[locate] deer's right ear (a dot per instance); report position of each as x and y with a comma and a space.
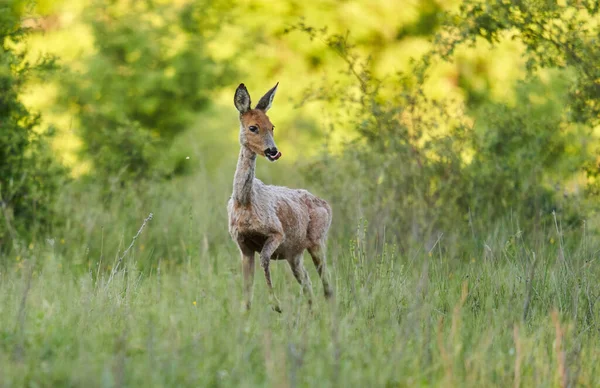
242, 99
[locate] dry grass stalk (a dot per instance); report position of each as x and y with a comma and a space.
444, 352
558, 349
118, 262
529, 287
518, 356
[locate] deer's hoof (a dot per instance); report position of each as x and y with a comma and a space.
277, 308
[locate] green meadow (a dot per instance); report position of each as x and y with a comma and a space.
457, 143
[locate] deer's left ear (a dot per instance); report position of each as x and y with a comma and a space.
267, 100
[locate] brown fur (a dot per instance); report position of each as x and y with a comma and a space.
278, 222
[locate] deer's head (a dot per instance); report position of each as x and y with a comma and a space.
256, 130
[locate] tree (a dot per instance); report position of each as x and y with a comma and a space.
423, 165
148, 77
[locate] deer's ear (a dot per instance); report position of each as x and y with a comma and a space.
267, 100
242, 99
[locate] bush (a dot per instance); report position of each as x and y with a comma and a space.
557, 36
421, 167
29, 175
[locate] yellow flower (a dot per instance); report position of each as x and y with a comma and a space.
31, 246
194, 303
551, 240
62, 240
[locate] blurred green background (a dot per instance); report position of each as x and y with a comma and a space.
436, 114
465, 131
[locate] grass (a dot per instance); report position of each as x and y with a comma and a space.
514, 310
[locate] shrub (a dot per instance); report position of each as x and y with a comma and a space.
421, 167
29, 175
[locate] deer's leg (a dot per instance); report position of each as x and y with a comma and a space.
301, 276
269, 248
248, 271
317, 253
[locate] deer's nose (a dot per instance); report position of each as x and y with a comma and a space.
271, 151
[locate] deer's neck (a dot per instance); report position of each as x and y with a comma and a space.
244, 176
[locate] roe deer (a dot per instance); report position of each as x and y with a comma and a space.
278, 222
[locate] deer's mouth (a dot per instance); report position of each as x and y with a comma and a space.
273, 158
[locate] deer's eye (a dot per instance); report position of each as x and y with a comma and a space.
253, 128
273, 129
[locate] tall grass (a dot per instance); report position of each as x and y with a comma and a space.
519, 310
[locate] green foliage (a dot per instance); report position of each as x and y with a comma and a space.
429, 20
29, 175
563, 36
521, 151
421, 165
555, 35
148, 78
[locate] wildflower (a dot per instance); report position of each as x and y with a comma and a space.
194, 303
551, 240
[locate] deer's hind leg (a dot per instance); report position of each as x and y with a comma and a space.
317, 252
271, 245
301, 275
317, 234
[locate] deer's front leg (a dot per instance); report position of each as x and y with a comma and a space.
269, 248
248, 271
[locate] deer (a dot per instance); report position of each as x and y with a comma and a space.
279, 223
